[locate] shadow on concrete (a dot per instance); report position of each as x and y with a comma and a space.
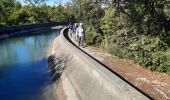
57, 64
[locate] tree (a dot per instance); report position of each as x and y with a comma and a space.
7, 7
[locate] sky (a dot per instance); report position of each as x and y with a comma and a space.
52, 2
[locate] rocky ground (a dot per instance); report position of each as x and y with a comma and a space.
156, 85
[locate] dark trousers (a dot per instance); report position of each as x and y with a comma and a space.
80, 40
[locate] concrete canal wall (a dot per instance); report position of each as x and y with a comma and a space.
83, 78
6, 32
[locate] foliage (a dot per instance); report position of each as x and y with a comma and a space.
140, 32
167, 64
13, 13
92, 37
6, 8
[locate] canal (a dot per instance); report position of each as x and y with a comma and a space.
24, 73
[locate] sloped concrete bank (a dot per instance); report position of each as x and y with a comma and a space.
83, 78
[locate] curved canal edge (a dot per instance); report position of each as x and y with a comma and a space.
84, 78
17, 30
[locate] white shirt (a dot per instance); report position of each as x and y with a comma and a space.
80, 31
77, 31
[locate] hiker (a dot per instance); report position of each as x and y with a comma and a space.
77, 34
80, 35
74, 28
69, 29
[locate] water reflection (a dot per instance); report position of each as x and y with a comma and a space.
24, 49
23, 66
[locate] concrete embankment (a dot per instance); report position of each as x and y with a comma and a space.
10, 31
83, 78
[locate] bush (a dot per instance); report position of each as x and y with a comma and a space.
97, 39
167, 63
91, 36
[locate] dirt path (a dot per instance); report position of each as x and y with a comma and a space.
156, 85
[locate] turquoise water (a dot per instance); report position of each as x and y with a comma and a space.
23, 66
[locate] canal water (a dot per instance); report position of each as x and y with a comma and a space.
24, 71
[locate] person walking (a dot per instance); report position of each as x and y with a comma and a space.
70, 29
80, 35
77, 34
74, 28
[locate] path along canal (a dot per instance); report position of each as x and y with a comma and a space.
24, 71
